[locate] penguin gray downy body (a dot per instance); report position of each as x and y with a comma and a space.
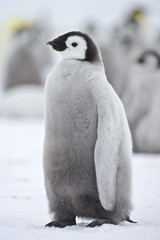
141, 101
87, 144
24, 63
21, 68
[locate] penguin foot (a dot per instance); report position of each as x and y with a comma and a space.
129, 220
101, 222
61, 224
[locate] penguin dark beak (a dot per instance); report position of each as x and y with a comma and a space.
53, 44
49, 43
58, 46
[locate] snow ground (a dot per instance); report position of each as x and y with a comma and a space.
23, 201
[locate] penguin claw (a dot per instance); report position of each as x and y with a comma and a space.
100, 222
94, 223
60, 224
129, 220
52, 224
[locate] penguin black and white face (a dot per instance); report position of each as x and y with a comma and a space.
75, 45
149, 60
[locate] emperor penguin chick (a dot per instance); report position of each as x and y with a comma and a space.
87, 145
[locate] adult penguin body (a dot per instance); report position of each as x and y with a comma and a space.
87, 146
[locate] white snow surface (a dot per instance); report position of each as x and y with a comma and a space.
23, 203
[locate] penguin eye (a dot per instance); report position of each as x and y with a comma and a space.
74, 44
141, 60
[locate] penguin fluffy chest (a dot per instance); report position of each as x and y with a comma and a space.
71, 132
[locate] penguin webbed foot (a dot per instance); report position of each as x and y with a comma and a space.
100, 222
61, 224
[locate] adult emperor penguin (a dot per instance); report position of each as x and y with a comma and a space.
87, 145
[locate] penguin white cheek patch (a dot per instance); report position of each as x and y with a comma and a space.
75, 51
68, 54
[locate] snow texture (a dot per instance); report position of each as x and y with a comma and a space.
24, 210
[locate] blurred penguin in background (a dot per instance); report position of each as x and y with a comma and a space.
116, 58
26, 63
125, 42
97, 31
141, 26
141, 102
27, 57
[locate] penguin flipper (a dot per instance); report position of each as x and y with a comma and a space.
105, 154
106, 167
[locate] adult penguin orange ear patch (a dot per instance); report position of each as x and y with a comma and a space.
87, 146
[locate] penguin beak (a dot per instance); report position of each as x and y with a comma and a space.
53, 44
57, 46
49, 43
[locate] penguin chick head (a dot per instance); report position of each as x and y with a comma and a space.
149, 59
76, 45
